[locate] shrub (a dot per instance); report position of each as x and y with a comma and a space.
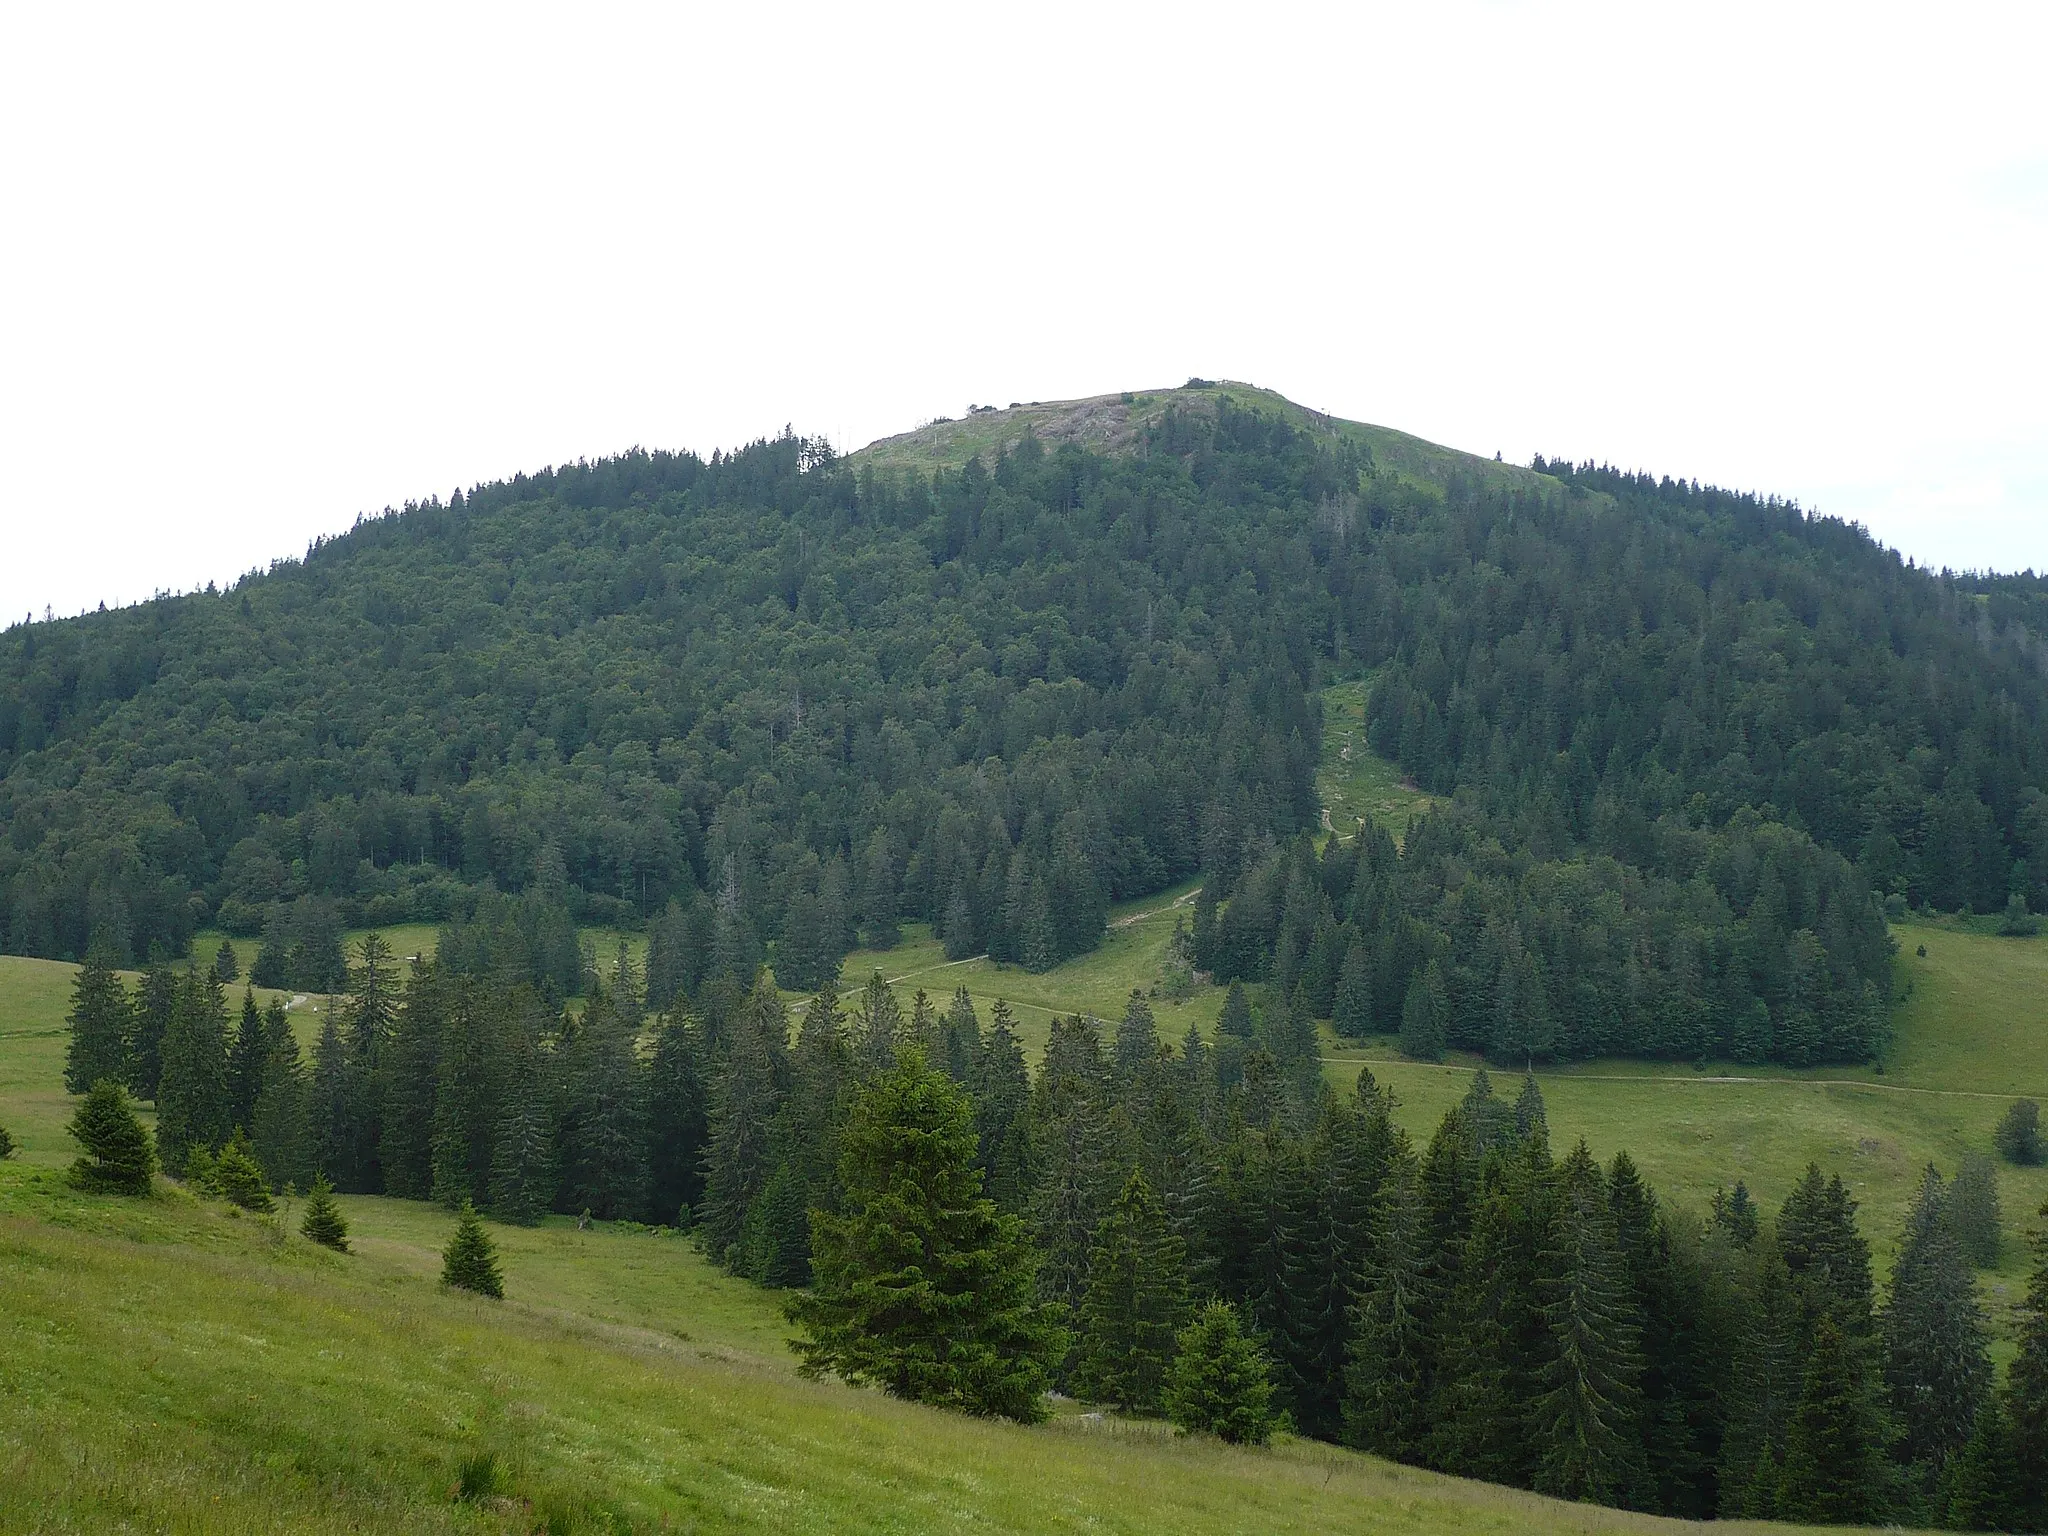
1221, 1382
119, 1159
2018, 1137
2018, 922
470, 1261
6, 1144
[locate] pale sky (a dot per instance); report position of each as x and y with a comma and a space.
262, 269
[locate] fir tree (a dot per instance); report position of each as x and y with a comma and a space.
604, 1126
877, 1022
1137, 1043
806, 956
405, 1151
118, 1158
1736, 1214
523, 1171
1002, 1093
1827, 1256
1351, 1007
963, 1039
470, 1261
747, 1093
1833, 1470
279, 1120
154, 1005
1221, 1382
1584, 1420
1936, 1366
921, 1286
2018, 1136
1973, 1209
675, 1123
881, 924
1425, 1015
237, 1179
803, 1144
323, 1222
226, 966
1386, 1379
1763, 1390
245, 1063
101, 1020
1530, 1119
1235, 1020
1134, 1305
956, 927
1984, 1490
371, 1013
330, 1138
469, 1106
192, 1095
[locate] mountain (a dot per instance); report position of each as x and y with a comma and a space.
999, 672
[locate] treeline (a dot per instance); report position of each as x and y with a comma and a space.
1477, 1304
1744, 941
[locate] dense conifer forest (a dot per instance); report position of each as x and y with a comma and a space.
772, 704
1204, 1231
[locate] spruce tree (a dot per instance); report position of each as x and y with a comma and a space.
920, 1285
192, 1095
371, 1014
1351, 1006
746, 1094
2026, 1391
470, 1261
1235, 1020
323, 1222
2018, 1136
226, 966
877, 1023
1002, 1093
237, 1179
1221, 1382
405, 1151
604, 1124
804, 1148
330, 1138
245, 1063
1135, 1302
963, 1038
1827, 1256
101, 1020
1764, 1388
1984, 1490
1584, 1420
675, 1123
1736, 1214
118, 1158
1936, 1364
1425, 1015
1833, 1470
469, 1099
1386, 1378
278, 1126
1973, 1209
154, 1004
1137, 1043
523, 1170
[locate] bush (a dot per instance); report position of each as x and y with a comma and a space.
2018, 922
6, 1144
1221, 1382
119, 1158
323, 1221
2018, 1137
470, 1261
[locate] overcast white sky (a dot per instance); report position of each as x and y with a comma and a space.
262, 269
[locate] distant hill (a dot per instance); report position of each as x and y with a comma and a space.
1001, 671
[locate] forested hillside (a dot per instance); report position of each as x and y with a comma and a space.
776, 702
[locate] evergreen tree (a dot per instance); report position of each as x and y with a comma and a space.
523, 1165
877, 1022
279, 1119
1002, 1092
470, 1261
370, 1014
237, 1179
1137, 1043
1736, 1214
1584, 1421
1833, 1470
1425, 1015
323, 1222
747, 1092
956, 927
2018, 1136
1135, 1302
405, 1152
807, 954
1936, 1366
1827, 1256
118, 1158
1351, 1012
1984, 1490
1386, 1381
963, 1039
1973, 1209
675, 1124
2026, 1392
1221, 1382
6, 1144
1764, 1389
246, 1057
921, 1286
604, 1124
226, 966
101, 1020
154, 1005
881, 924
192, 1095
1235, 1020
329, 1117
469, 1104
1530, 1119
803, 1145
